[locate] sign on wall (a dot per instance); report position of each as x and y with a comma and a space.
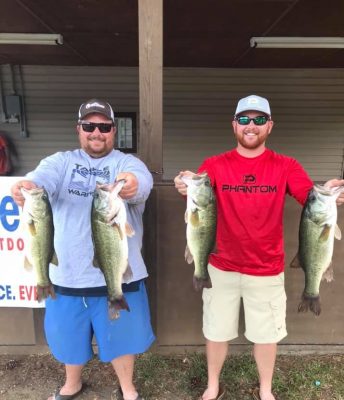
17, 284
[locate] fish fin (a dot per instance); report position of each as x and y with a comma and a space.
27, 264
129, 230
325, 233
95, 262
328, 274
200, 283
121, 234
32, 228
115, 305
43, 292
194, 219
54, 259
188, 256
128, 274
310, 303
295, 263
337, 232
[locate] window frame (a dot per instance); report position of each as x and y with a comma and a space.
132, 115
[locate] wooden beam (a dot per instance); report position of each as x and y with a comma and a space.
150, 75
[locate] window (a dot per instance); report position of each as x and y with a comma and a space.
126, 138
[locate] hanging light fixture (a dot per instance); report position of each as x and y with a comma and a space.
284, 42
31, 38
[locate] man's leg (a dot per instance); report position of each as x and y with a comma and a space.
124, 368
221, 306
73, 380
265, 356
216, 356
265, 318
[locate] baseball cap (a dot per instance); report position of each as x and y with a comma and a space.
253, 103
96, 106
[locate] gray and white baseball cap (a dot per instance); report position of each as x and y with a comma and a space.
96, 106
253, 103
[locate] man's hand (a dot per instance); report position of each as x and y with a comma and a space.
16, 192
179, 184
335, 183
131, 185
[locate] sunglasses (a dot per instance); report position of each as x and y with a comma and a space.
91, 126
260, 120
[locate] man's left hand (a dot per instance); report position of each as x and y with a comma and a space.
131, 185
334, 183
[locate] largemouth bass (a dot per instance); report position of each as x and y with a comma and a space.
200, 218
317, 230
38, 218
110, 231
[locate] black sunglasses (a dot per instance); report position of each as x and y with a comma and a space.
91, 126
244, 120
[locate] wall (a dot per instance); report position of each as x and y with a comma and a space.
179, 307
52, 98
307, 107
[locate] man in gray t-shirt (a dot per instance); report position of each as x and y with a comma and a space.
80, 309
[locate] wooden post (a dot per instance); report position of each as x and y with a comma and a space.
150, 75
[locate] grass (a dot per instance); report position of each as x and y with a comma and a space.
177, 377
316, 377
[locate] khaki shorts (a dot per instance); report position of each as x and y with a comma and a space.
264, 301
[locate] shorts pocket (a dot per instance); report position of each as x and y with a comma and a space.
278, 309
207, 299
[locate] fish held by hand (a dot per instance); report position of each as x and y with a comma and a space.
200, 217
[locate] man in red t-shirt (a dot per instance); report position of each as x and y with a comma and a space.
250, 183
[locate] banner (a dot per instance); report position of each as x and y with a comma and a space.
17, 284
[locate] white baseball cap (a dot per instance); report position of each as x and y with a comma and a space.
253, 103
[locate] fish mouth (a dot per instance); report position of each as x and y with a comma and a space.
200, 176
32, 191
328, 191
196, 179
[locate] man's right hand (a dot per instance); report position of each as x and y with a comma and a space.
179, 184
16, 192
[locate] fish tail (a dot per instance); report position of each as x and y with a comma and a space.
117, 304
310, 303
43, 292
113, 313
200, 283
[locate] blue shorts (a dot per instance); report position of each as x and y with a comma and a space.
72, 321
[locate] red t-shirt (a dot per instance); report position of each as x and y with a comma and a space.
250, 195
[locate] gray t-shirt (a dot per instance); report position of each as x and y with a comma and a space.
70, 178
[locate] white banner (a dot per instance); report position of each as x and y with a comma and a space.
17, 285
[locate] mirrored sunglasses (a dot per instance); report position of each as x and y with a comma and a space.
244, 120
91, 126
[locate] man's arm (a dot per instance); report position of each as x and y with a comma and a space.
139, 180
131, 185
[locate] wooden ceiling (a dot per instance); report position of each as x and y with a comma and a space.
197, 33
